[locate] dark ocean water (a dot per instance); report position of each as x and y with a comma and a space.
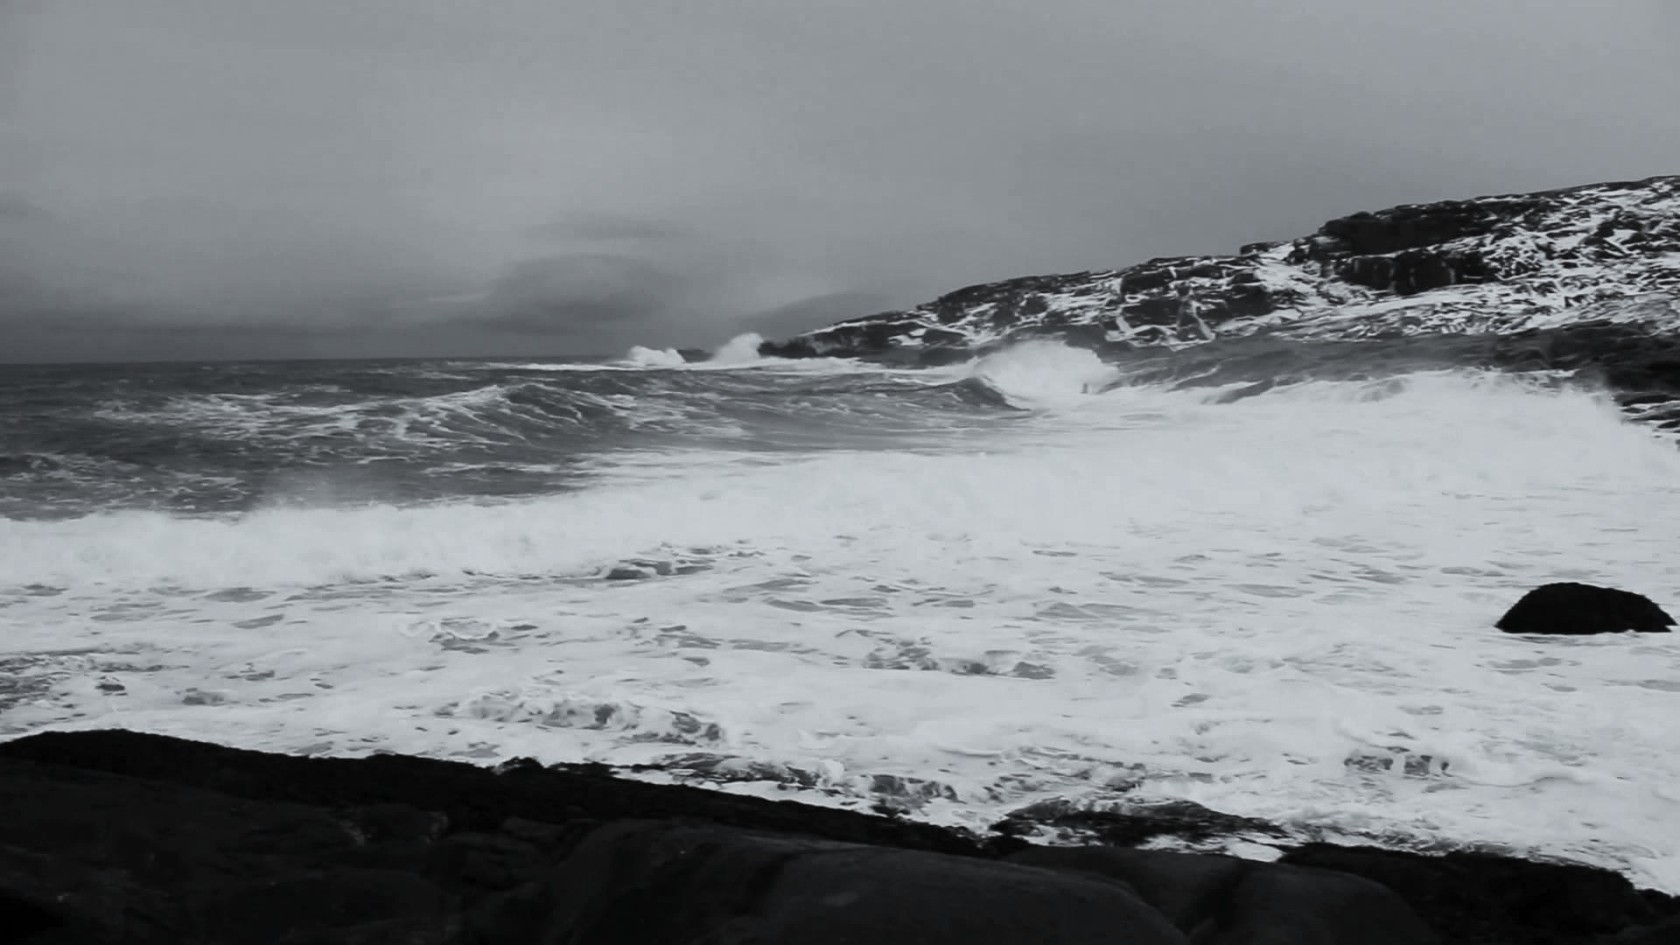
217, 438
229, 437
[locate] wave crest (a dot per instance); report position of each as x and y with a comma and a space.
741, 349
1038, 374
643, 357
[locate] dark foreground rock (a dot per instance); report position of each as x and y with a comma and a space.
1224, 899
1580, 609
1486, 898
113, 836
658, 882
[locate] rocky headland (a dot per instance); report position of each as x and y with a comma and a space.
1584, 279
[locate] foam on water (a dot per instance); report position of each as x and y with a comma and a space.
1039, 374
741, 349
1278, 606
639, 356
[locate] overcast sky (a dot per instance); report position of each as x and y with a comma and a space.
233, 178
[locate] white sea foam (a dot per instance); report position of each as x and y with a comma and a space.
404, 418
741, 349
1279, 606
1043, 373
639, 356
556, 367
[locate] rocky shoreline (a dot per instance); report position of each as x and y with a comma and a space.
116, 836
1584, 279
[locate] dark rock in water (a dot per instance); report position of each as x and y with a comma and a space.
1579, 609
1132, 824
942, 356
114, 837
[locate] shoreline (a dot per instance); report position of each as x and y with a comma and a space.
433, 828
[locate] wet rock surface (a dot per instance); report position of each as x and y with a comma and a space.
657, 882
1484, 898
1229, 900
112, 836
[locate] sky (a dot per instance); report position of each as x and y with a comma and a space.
188, 179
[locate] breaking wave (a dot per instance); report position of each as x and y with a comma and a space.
1194, 453
741, 349
639, 356
1040, 374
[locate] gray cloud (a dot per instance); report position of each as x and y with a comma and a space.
565, 295
814, 312
15, 209
606, 228
379, 176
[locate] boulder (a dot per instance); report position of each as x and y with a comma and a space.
1580, 609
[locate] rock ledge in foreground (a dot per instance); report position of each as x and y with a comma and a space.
114, 836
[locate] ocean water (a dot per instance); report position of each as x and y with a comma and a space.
957, 591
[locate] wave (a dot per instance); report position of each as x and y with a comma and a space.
414, 433
1141, 461
1039, 374
639, 356
978, 393
739, 350
489, 414
17, 464
1279, 361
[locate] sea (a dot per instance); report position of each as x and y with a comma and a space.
1258, 576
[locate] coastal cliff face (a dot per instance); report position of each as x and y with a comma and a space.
1599, 255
